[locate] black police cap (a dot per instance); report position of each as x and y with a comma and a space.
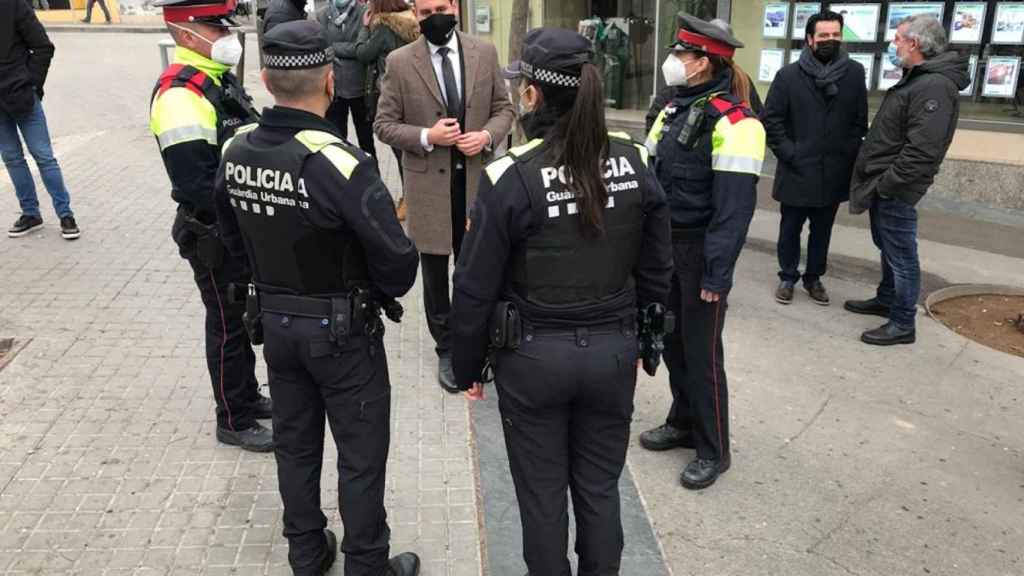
296, 45
553, 56
697, 35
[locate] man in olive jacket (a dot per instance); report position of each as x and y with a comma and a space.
815, 117
898, 162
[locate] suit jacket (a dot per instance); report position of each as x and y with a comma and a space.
410, 101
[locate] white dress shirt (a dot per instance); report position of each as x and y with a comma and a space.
435, 59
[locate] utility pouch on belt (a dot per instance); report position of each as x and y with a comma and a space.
341, 318
506, 327
252, 318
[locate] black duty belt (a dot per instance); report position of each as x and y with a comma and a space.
626, 326
295, 305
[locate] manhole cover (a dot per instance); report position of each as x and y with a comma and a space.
989, 315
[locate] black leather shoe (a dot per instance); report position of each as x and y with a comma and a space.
255, 439
700, 474
405, 564
332, 552
870, 307
264, 407
446, 374
665, 437
889, 334
817, 292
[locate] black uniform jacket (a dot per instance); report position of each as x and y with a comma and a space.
360, 205
502, 218
911, 133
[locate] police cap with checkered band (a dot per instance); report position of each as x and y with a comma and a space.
553, 56
696, 35
296, 45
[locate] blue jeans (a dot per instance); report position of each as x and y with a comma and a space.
37, 137
894, 230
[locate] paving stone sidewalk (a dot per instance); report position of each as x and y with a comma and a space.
108, 462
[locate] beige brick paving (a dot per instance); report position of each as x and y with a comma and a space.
108, 464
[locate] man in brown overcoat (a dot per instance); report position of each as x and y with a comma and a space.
444, 104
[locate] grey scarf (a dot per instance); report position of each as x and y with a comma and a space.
826, 76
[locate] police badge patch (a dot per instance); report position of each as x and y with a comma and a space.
931, 105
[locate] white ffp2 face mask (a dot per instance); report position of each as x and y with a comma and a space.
674, 71
226, 50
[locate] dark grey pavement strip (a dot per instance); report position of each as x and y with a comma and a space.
503, 532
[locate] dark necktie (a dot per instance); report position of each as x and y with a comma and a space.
451, 89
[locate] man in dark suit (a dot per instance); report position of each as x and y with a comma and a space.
444, 103
815, 117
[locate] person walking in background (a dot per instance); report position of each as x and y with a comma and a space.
815, 118
88, 10
898, 161
25, 56
341, 22
390, 24
444, 103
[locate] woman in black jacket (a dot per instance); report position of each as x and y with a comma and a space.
390, 24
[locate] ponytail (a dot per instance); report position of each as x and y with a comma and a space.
580, 143
741, 87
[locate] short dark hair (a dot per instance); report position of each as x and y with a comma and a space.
823, 16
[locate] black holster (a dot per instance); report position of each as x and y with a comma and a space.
209, 247
506, 327
252, 318
654, 323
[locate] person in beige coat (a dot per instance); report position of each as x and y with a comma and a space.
445, 105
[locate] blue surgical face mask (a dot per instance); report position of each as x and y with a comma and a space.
894, 56
342, 4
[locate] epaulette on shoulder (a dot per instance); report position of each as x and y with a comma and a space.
496, 169
627, 140
332, 147
732, 108
240, 130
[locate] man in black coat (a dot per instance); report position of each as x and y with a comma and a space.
815, 117
25, 55
908, 141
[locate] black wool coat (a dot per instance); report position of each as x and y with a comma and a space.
815, 138
25, 54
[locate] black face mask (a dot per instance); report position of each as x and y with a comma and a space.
826, 50
438, 28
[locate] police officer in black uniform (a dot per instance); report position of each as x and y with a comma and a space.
708, 147
568, 240
327, 252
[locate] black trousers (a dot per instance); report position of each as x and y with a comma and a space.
793, 218
313, 380
566, 402
230, 359
436, 295
337, 114
694, 357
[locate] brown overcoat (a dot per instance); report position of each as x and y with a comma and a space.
410, 101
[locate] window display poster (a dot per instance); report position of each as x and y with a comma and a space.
1009, 24
889, 74
972, 69
1001, 76
968, 22
861, 21
868, 62
776, 14
900, 12
771, 63
801, 13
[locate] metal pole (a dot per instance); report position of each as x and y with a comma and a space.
241, 61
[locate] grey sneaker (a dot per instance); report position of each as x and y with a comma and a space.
784, 293
69, 228
23, 225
